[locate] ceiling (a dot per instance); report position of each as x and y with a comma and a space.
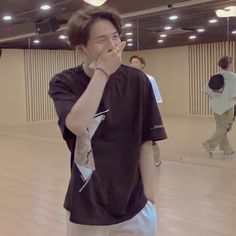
148, 18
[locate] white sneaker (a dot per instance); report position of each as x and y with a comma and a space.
157, 163
229, 152
207, 150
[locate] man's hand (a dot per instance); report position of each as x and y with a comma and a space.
110, 60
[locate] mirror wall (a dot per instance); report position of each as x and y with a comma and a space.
181, 57
184, 59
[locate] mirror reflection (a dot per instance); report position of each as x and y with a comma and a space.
181, 43
183, 53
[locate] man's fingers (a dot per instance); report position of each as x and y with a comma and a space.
118, 49
121, 46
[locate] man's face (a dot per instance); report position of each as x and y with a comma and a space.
136, 63
103, 36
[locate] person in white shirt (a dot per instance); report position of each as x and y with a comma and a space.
139, 63
221, 90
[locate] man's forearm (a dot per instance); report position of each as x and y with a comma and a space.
85, 108
147, 169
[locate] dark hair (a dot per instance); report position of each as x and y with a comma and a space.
141, 59
224, 62
80, 23
216, 82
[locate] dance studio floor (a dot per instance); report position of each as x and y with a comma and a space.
195, 195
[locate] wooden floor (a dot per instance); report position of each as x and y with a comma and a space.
195, 195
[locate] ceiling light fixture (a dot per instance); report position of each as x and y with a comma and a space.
45, 7
168, 28
173, 17
7, 18
96, 3
160, 41
226, 12
234, 32
200, 30
36, 41
163, 35
213, 21
62, 36
129, 40
192, 37
130, 44
127, 25
129, 33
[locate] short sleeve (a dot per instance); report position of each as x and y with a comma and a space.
156, 90
233, 86
63, 98
208, 91
153, 129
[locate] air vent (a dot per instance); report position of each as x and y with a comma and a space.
176, 31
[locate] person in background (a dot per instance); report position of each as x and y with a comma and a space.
139, 63
221, 90
109, 121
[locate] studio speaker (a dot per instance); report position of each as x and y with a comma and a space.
47, 25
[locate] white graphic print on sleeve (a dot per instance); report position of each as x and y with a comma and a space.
84, 158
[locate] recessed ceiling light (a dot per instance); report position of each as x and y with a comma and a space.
7, 18
45, 7
36, 41
96, 3
62, 36
173, 17
234, 32
130, 44
200, 30
160, 41
163, 35
213, 21
129, 33
129, 40
127, 25
168, 28
192, 37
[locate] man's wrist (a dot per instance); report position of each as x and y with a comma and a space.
103, 71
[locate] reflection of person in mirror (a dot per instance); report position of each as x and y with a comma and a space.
139, 63
108, 118
221, 89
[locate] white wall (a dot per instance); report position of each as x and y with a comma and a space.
12, 87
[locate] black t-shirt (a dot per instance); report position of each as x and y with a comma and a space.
105, 186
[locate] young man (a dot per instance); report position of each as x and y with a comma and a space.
221, 90
139, 63
108, 117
